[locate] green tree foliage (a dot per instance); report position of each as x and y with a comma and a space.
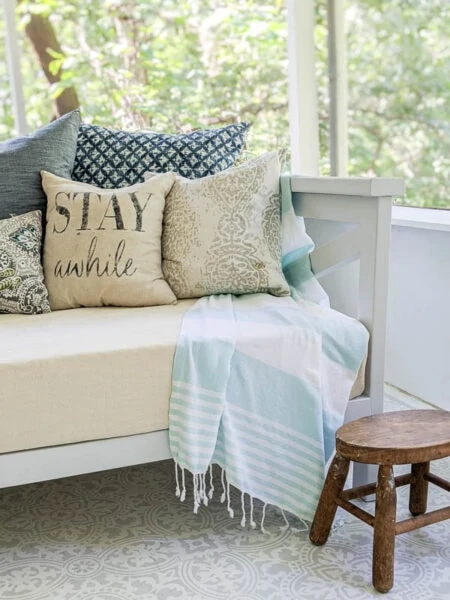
178, 65
399, 94
6, 115
175, 65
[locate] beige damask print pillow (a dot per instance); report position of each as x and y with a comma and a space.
222, 233
103, 247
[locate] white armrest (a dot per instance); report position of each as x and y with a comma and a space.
365, 203
349, 186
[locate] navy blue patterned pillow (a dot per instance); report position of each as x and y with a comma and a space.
110, 159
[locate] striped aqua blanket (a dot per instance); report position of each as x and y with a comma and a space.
260, 385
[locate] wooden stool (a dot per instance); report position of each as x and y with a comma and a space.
405, 437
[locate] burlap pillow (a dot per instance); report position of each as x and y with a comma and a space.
222, 233
103, 247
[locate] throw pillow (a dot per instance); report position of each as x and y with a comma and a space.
111, 159
222, 233
22, 288
103, 247
21, 160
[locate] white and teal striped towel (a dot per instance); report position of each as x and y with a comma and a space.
260, 384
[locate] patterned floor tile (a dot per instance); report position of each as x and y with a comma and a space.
123, 535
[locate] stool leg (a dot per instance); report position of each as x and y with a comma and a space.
419, 489
326, 508
384, 530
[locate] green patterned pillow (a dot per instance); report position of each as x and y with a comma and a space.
222, 233
22, 288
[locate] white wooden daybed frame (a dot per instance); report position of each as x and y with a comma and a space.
363, 202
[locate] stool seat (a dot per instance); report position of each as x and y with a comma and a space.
413, 437
396, 438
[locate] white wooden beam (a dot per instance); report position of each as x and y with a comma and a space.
52, 462
337, 72
14, 67
349, 186
373, 295
342, 249
303, 113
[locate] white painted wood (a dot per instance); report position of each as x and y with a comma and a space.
337, 73
357, 408
373, 295
14, 67
372, 215
349, 186
341, 250
343, 209
421, 218
369, 240
303, 111
54, 462
418, 339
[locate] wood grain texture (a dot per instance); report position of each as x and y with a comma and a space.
355, 510
434, 516
327, 506
418, 492
384, 530
402, 437
416, 437
442, 483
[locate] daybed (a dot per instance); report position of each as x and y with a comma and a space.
87, 389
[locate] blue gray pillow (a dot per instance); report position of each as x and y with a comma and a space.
109, 158
51, 148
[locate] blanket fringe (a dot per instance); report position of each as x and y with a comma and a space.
211, 484
177, 489
183, 491
196, 493
202, 496
180, 492
286, 522
230, 510
263, 517
243, 509
252, 522
222, 479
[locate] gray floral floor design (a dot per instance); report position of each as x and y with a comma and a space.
123, 535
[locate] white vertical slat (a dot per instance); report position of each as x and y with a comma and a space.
337, 70
373, 295
303, 114
14, 67
372, 311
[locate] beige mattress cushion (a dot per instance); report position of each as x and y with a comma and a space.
86, 374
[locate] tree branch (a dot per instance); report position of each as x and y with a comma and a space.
42, 36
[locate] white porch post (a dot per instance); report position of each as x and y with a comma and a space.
14, 68
304, 122
337, 70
